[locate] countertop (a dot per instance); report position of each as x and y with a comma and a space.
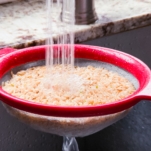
23, 23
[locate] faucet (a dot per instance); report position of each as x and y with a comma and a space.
84, 12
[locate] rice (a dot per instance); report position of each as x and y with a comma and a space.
68, 86
63, 85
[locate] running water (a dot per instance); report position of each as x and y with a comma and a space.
63, 56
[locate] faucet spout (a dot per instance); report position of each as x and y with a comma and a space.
84, 12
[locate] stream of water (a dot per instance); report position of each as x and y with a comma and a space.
63, 55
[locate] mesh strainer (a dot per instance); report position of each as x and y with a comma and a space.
121, 62
74, 121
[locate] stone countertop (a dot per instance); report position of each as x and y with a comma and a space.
23, 23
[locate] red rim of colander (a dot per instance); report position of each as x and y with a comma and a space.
123, 60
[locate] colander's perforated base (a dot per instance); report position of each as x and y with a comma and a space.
72, 127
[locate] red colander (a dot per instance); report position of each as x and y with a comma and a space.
137, 72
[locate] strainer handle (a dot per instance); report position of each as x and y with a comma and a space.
145, 93
6, 51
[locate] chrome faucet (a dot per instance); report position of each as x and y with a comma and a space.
84, 12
